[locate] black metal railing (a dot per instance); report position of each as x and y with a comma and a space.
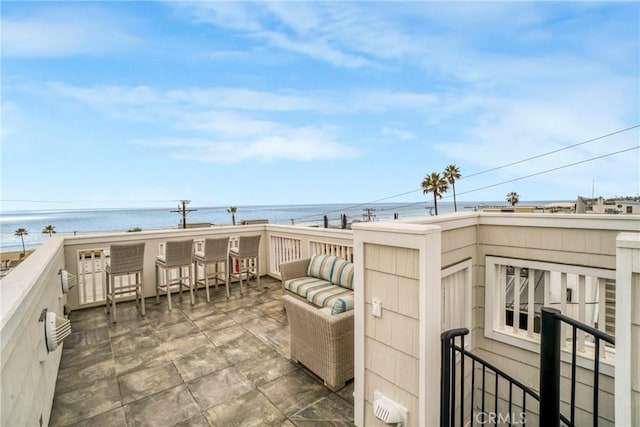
550, 366
453, 408
489, 411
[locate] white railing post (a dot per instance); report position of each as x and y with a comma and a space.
501, 271
517, 283
582, 308
563, 308
602, 304
531, 286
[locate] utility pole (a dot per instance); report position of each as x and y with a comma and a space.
184, 211
368, 215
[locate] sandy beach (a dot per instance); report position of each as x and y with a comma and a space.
13, 258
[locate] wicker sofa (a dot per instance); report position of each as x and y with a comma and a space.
318, 298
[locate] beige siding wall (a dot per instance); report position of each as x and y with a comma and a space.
627, 329
391, 341
391, 273
459, 244
577, 246
635, 348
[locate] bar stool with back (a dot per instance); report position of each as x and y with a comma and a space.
126, 260
178, 257
246, 258
216, 252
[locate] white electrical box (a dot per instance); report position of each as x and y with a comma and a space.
377, 308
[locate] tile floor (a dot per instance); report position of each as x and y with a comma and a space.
223, 363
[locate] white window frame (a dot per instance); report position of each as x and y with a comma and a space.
494, 322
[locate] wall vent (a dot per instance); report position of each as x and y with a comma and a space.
388, 411
56, 329
68, 281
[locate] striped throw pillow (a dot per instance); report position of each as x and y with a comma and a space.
342, 304
321, 266
342, 273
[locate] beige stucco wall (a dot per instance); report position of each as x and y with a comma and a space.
28, 372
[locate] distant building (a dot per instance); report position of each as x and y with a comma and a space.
610, 206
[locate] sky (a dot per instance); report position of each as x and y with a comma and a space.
140, 104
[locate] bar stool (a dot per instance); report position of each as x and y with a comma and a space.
216, 252
126, 260
178, 257
245, 258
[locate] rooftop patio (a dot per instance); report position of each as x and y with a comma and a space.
226, 362
219, 363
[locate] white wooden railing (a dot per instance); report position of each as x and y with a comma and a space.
583, 293
292, 244
330, 248
290, 248
91, 277
283, 249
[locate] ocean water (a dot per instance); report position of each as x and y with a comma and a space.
88, 221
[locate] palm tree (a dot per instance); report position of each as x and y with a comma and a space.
513, 198
50, 229
435, 184
22, 232
451, 173
232, 210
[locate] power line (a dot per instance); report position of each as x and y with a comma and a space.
551, 152
528, 176
476, 174
552, 169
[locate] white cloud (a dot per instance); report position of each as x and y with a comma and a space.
397, 133
300, 144
322, 32
64, 31
225, 124
341, 101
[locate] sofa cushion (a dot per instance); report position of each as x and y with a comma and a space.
342, 274
321, 266
302, 285
342, 304
324, 297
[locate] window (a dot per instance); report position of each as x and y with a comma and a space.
516, 290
